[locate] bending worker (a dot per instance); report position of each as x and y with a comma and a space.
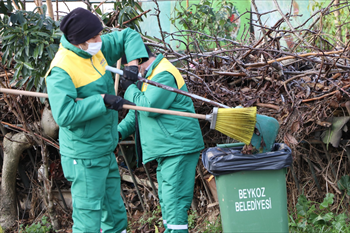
88, 128
174, 142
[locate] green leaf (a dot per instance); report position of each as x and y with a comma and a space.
326, 218
344, 184
5, 55
19, 52
50, 52
36, 53
13, 19
43, 34
41, 49
140, 9
44, 7
303, 205
9, 6
3, 8
18, 71
30, 84
54, 47
98, 10
327, 201
10, 36
34, 41
341, 218
27, 49
27, 65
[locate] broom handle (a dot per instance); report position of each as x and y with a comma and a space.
19, 92
139, 108
168, 112
165, 87
116, 82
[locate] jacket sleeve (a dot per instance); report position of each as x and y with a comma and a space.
62, 94
127, 126
153, 97
118, 43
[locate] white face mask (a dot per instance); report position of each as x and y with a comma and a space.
93, 48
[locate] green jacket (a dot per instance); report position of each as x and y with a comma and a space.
162, 135
87, 128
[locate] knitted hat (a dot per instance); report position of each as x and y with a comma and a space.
80, 25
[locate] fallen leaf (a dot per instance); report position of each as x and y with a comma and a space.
295, 126
289, 139
306, 78
334, 134
245, 90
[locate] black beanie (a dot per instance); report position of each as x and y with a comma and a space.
80, 25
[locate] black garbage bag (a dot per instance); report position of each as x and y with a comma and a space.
219, 161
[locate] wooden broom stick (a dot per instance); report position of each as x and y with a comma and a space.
116, 81
139, 108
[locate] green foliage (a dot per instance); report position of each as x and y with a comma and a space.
344, 184
31, 40
192, 219
153, 219
213, 227
7, 8
317, 217
206, 17
42, 226
329, 30
124, 11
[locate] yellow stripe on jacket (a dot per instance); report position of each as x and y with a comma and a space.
165, 65
81, 70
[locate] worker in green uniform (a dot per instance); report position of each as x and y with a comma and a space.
174, 142
88, 127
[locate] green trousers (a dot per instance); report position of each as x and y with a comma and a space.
96, 194
176, 175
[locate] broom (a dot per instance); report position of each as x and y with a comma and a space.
225, 116
237, 123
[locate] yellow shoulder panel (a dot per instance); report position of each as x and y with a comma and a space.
81, 70
165, 65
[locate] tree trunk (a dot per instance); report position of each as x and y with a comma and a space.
14, 145
49, 9
48, 190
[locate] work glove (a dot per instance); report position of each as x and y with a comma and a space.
125, 83
115, 102
131, 73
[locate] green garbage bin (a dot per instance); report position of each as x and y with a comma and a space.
251, 189
253, 201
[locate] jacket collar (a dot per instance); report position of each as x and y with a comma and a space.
67, 45
154, 64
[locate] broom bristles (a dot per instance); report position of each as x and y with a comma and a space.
237, 123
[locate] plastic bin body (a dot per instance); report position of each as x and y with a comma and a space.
253, 201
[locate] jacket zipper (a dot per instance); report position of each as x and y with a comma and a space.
112, 133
